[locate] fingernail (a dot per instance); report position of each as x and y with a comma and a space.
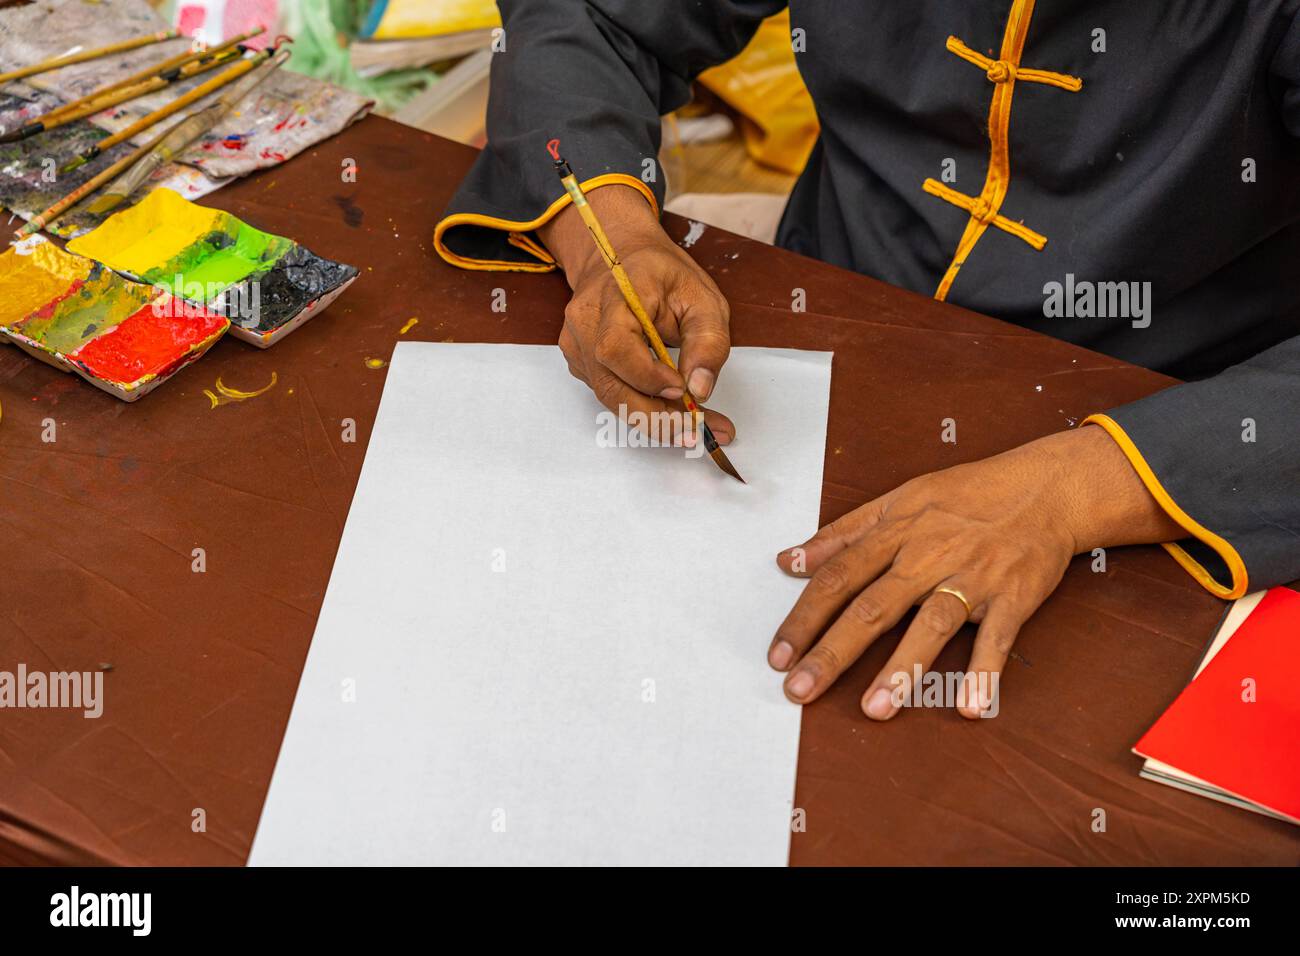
880, 706
688, 439
800, 685
672, 393
701, 383
780, 655
723, 437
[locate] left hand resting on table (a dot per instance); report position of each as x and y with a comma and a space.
1000, 531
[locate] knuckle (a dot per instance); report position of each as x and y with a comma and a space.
606, 391
827, 658
938, 619
580, 311
711, 339
831, 579
866, 611
1003, 641
608, 344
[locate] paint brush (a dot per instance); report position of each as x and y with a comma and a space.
131, 171
39, 222
149, 81
190, 55
178, 138
81, 56
624, 282
89, 107
225, 78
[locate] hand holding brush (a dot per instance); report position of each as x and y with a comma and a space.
616, 346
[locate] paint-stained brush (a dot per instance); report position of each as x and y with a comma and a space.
574, 189
179, 137
131, 171
77, 55
224, 78
154, 78
225, 49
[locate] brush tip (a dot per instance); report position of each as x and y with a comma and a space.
723, 462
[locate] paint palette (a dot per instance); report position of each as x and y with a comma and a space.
124, 337
264, 284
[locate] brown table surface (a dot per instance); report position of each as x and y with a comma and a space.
98, 528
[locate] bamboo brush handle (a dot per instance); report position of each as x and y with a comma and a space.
193, 96
219, 52
625, 286
58, 62
90, 108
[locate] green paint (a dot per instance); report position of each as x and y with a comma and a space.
230, 253
102, 302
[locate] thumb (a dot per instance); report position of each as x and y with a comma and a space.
704, 321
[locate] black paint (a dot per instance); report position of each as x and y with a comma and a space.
298, 279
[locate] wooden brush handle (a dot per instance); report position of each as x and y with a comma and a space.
625, 286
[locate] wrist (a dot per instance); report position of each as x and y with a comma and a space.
628, 220
1103, 500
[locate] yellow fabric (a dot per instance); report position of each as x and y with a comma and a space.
405, 19
517, 230
1237, 567
763, 85
1003, 74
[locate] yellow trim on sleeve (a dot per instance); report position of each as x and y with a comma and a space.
521, 240
1240, 579
517, 230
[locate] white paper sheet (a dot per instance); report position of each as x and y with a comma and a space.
556, 650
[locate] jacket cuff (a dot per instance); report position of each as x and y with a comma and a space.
1219, 549
473, 240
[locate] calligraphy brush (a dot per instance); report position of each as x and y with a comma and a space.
621, 277
81, 56
218, 52
171, 109
133, 169
155, 78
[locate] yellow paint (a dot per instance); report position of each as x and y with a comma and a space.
410, 323
240, 396
228, 394
157, 230
33, 276
375, 363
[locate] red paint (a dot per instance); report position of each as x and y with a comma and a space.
148, 343
272, 154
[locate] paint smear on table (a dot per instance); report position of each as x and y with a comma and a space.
266, 285
122, 336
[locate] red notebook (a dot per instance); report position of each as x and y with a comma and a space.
1234, 733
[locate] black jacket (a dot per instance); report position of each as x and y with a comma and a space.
1124, 175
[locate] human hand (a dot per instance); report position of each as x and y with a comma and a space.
602, 340
999, 531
